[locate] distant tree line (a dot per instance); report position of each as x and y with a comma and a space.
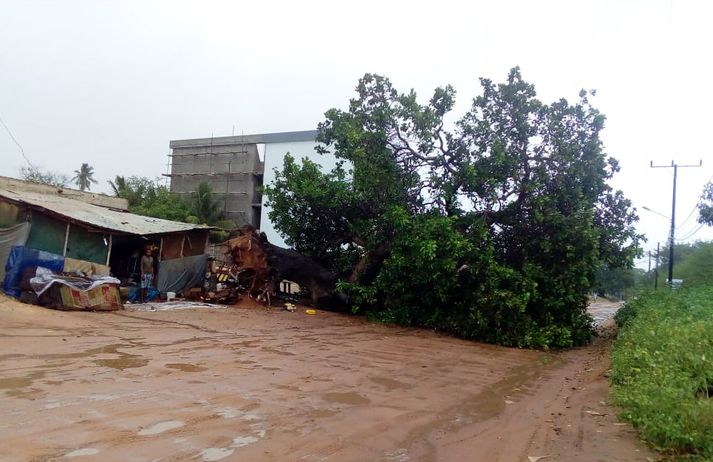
145, 196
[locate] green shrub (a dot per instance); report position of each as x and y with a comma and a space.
626, 313
662, 370
439, 278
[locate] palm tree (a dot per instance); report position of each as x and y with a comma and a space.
118, 186
204, 207
84, 177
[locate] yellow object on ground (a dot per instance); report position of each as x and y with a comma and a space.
310, 311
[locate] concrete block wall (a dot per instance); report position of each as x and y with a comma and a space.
232, 166
233, 171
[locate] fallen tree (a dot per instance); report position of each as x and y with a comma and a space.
262, 266
492, 230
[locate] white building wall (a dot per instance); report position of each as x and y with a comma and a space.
274, 158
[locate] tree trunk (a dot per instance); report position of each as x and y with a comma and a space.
262, 266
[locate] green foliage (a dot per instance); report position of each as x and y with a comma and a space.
84, 177
617, 282
662, 369
150, 198
705, 206
204, 207
692, 262
39, 175
319, 213
492, 231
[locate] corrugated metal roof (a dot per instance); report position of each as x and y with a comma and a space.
98, 217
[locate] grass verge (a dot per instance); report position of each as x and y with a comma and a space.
662, 370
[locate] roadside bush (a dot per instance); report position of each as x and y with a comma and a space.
662, 370
626, 313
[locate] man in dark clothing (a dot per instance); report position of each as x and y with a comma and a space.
147, 273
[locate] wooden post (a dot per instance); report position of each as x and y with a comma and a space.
183, 242
160, 250
108, 253
66, 241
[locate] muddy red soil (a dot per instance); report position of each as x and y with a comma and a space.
243, 383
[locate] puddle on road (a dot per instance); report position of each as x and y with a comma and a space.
161, 427
349, 397
390, 384
186, 367
277, 352
125, 362
15, 386
213, 454
82, 452
241, 441
20, 382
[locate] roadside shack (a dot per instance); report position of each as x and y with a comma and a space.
94, 234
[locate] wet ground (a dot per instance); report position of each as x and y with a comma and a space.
255, 385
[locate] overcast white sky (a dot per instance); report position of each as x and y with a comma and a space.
110, 83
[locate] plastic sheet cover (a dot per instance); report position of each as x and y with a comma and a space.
44, 278
22, 258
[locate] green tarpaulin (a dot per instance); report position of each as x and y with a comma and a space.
47, 234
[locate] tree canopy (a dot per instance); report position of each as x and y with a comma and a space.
39, 175
705, 206
493, 229
84, 177
151, 198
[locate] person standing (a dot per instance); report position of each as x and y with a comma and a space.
147, 273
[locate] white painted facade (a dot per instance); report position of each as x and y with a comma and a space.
274, 155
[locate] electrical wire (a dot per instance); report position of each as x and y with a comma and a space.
695, 207
22, 151
691, 234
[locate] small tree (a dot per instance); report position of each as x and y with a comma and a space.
118, 186
150, 198
84, 177
39, 175
705, 206
204, 207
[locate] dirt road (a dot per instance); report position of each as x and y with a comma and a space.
246, 384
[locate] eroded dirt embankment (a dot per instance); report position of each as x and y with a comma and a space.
248, 384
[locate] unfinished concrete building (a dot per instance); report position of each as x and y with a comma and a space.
232, 165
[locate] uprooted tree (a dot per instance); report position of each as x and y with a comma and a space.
493, 230
262, 266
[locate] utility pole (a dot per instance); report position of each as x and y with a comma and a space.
675, 167
656, 268
649, 262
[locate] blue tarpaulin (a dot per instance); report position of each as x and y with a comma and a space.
181, 274
152, 293
22, 258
